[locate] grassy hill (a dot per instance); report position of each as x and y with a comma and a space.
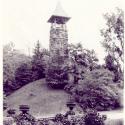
43, 101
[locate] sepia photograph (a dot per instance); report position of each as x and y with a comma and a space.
63, 62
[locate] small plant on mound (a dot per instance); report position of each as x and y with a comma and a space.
94, 118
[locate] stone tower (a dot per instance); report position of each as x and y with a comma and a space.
57, 75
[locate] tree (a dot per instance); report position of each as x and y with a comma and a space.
12, 59
97, 90
81, 56
81, 60
113, 42
23, 74
8, 63
38, 62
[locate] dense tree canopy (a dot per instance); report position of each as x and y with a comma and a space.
23, 74
12, 59
20, 69
96, 90
80, 61
81, 56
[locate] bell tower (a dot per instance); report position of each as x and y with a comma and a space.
58, 61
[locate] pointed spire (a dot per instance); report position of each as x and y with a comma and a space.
59, 11
59, 15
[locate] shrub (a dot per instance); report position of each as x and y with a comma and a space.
94, 118
73, 120
23, 74
101, 97
96, 90
56, 77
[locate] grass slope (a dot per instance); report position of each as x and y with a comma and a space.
46, 102
43, 101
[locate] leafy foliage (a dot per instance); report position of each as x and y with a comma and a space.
96, 90
33, 70
23, 74
91, 117
38, 63
94, 118
25, 119
110, 64
113, 42
12, 59
19, 69
59, 77
81, 61
80, 56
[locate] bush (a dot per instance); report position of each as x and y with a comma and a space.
56, 77
73, 120
101, 97
94, 118
23, 74
96, 90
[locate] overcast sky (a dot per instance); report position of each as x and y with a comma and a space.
25, 22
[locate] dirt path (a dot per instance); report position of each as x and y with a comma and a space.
116, 114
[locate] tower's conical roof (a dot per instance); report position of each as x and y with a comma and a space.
59, 15
59, 11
